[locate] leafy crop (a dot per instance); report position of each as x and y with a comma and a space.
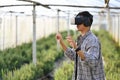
16, 63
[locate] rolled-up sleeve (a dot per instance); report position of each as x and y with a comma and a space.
92, 53
70, 53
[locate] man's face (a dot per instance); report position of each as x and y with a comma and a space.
81, 27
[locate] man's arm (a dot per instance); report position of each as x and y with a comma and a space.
93, 53
60, 39
63, 45
70, 52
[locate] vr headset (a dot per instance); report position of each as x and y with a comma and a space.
81, 20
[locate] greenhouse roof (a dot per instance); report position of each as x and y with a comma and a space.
46, 6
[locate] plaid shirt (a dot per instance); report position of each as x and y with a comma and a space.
92, 67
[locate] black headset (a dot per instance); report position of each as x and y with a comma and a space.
83, 20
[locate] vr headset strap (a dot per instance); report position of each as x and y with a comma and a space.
76, 66
76, 62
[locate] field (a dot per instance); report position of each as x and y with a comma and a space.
16, 63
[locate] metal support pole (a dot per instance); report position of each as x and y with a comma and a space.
100, 20
68, 24
34, 35
58, 45
113, 24
0, 31
114, 27
58, 20
44, 27
4, 33
11, 21
108, 20
16, 30
34, 26
118, 29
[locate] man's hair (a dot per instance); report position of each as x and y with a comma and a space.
84, 18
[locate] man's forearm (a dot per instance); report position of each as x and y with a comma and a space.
63, 45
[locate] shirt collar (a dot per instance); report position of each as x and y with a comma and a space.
83, 37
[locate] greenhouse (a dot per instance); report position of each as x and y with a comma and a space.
29, 49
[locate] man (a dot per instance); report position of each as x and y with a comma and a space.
86, 53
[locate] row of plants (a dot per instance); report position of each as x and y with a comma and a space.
111, 54
16, 63
64, 72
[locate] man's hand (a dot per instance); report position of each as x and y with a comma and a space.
81, 54
71, 42
58, 36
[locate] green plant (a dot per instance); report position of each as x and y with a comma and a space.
64, 72
18, 60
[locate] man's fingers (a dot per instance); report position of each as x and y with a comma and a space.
68, 37
69, 40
